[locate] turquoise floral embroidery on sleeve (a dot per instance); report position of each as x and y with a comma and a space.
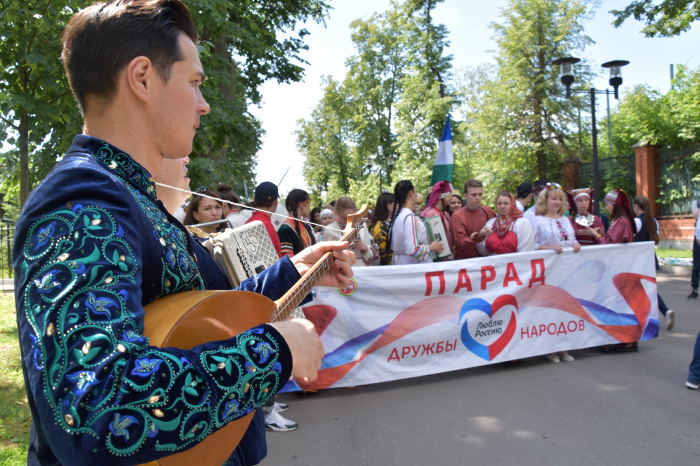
80, 279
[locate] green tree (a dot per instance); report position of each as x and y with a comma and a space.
427, 98
244, 44
645, 115
519, 120
374, 85
325, 142
391, 105
666, 18
39, 116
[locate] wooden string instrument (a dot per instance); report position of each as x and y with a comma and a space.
191, 318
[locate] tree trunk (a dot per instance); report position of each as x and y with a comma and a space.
23, 158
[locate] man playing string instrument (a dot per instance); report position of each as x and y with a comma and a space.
93, 246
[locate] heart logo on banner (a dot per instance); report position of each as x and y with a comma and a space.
489, 353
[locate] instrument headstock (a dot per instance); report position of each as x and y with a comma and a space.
356, 220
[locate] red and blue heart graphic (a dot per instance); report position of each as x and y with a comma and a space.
489, 353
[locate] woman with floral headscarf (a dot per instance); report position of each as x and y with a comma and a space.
510, 232
438, 205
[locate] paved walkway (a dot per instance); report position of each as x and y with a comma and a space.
602, 409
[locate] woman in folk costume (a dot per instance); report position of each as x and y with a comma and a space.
582, 216
510, 231
408, 237
622, 229
294, 234
553, 230
439, 205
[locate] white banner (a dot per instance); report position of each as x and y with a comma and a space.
411, 320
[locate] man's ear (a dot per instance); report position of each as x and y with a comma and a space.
140, 74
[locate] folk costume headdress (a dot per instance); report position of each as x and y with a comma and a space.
441, 190
577, 194
619, 198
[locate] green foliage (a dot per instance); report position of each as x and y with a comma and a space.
519, 124
244, 44
39, 116
666, 18
15, 417
391, 105
646, 116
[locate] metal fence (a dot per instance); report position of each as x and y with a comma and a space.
615, 172
677, 168
7, 233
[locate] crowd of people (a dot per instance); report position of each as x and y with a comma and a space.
453, 227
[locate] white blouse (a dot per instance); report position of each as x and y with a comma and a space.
553, 232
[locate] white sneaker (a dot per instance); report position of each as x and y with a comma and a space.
692, 386
552, 357
670, 319
564, 356
281, 407
278, 423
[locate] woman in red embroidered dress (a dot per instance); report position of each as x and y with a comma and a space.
510, 232
622, 230
582, 216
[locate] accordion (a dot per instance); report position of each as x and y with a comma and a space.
244, 252
436, 231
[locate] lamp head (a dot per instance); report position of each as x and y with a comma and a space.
615, 75
567, 71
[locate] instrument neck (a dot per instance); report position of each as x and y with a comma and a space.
291, 300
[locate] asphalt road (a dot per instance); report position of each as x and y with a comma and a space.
602, 409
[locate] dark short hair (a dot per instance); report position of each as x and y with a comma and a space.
100, 40
472, 184
524, 190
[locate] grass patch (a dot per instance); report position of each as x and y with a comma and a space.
679, 253
15, 417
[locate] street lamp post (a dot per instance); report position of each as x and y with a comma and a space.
567, 79
389, 169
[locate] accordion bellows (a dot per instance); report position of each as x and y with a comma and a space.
244, 252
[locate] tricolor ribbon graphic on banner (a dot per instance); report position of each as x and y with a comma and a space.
623, 327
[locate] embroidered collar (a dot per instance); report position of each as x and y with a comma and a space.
121, 164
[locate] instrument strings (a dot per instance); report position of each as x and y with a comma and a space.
244, 206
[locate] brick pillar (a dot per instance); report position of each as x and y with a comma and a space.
571, 173
646, 157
